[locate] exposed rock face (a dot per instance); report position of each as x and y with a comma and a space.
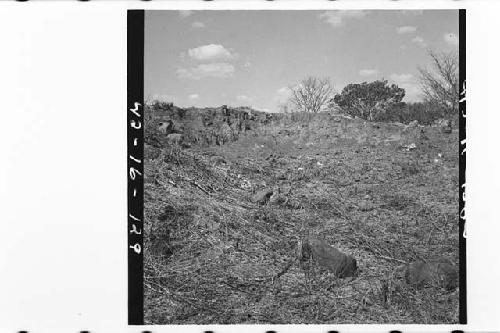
340, 264
262, 197
437, 273
207, 126
166, 127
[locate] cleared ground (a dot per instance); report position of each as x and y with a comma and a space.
214, 256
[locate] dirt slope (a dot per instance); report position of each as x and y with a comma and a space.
213, 255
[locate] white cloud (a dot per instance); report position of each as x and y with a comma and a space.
162, 97
198, 25
283, 91
282, 95
401, 78
451, 38
185, 13
211, 52
336, 17
412, 92
407, 82
244, 99
193, 97
258, 108
368, 72
406, 29
419, 41
216, 70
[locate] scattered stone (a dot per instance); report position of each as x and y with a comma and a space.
282, 176
365, 206
263, 196
318, 250
437, 273
446, 127
414, 123
175, 138
409, 147
166, 127
294, 204
277, 199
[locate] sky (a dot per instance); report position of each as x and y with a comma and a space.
210, 58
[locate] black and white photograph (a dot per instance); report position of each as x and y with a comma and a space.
302, 167
251, 166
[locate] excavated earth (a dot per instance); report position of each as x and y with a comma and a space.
226, 210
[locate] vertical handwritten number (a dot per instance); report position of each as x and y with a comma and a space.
462, 93
462, 152
136, 125
462, 216
136, 247
134, 218
133, 172
135, 109
134, 159
462, 98
134, 230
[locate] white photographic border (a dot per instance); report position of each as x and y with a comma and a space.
63, 164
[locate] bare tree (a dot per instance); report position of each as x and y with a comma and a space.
311, 94
440, 84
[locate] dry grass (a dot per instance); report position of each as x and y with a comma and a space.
214, 256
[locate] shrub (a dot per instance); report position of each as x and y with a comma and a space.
424, 112
368, 100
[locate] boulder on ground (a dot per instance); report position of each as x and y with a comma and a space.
446, 127
166, 127
277, 199
342, 265
413, 123
365, 206
262, 197
436, 273
174, 138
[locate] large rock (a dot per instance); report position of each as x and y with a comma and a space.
174, 138
166, 127
413, 123
277, 199
342, 265
365, 206
262, 197
436, 273
446, 127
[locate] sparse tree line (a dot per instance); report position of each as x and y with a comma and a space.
381, 101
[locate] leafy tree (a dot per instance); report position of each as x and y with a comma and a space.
311, 94
369, 100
